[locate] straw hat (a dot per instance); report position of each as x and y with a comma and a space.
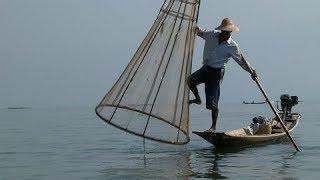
227, 25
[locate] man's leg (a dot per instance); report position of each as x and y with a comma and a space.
212, 88
214, 116
195, 79
213, 104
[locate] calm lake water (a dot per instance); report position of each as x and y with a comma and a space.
72, 143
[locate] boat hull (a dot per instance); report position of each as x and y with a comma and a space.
237, 138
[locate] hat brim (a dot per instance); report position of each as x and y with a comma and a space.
228, 28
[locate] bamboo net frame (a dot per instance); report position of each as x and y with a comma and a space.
150, 98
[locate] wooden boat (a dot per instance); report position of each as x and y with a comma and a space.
240, 138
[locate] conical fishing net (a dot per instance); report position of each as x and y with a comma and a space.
150, 99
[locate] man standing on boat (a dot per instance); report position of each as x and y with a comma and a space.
219, 48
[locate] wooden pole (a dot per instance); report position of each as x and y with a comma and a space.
271, 106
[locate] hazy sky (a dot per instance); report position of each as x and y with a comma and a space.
70, 52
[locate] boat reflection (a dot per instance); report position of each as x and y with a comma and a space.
209, 163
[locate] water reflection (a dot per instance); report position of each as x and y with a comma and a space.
247, 163
155, 164
286, 166
208, 163
212, 170
160, 161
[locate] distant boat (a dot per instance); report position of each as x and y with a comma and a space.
245, 102
19, 108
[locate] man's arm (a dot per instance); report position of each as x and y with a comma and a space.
202, 33
238, 57
252, 71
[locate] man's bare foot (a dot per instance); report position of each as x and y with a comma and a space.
210, 130
195, 101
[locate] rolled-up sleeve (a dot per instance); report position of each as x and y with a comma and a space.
238, 57
204, 34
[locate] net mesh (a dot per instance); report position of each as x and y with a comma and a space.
150, 99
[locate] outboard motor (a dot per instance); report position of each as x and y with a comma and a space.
287, 102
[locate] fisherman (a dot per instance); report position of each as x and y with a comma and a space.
219, 48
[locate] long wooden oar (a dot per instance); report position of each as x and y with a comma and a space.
271, 106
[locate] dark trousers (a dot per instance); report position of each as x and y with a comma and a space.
212, 78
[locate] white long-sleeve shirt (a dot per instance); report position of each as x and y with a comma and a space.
217, 55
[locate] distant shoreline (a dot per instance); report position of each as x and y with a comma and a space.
19, 108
